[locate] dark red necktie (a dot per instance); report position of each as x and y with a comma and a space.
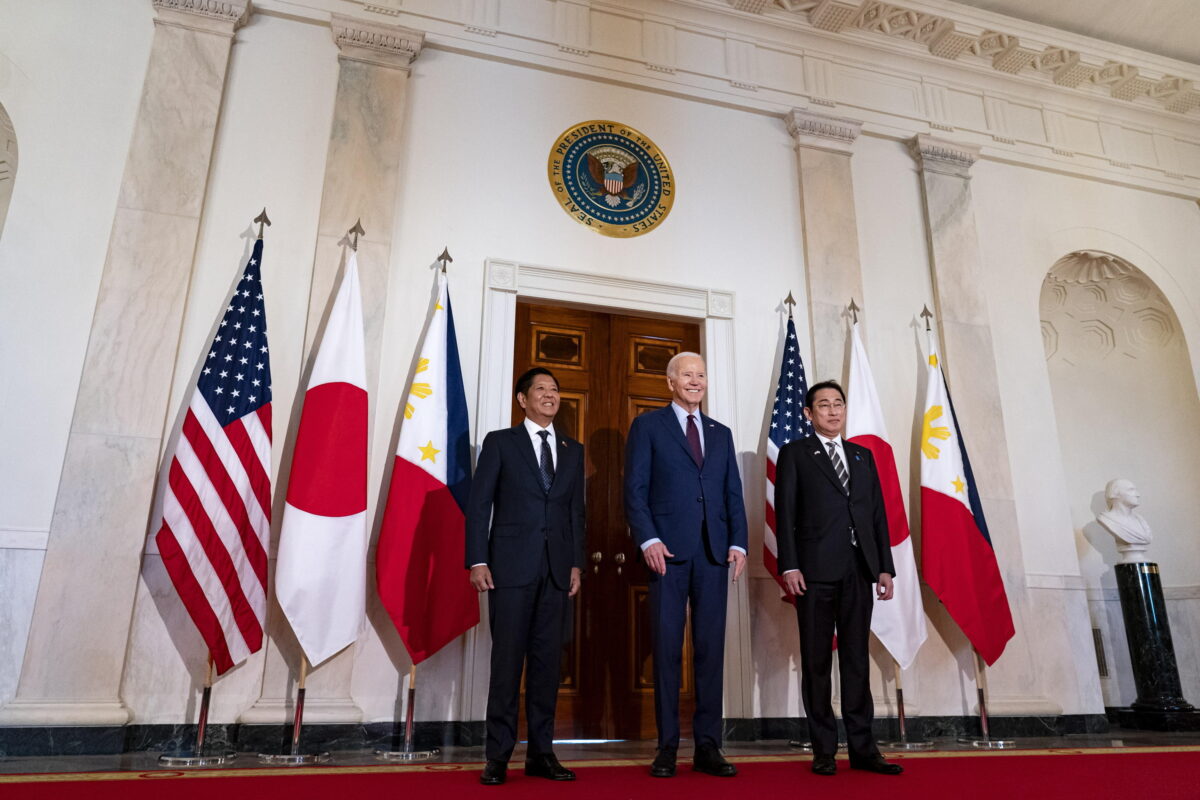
693, 437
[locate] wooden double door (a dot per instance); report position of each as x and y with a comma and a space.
610, 368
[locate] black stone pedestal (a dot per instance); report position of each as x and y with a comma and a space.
1160, 705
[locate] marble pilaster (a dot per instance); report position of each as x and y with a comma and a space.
361, 182
75, 655
969, 361
824, 145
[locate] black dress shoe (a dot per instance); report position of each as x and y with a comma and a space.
824, 765
709, 760
547, 766
664, 763
494, 773
877, 764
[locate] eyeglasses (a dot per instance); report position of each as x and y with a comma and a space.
826, 405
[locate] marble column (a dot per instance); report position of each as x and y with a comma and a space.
361, 182
824, 145
969, 361
77, 641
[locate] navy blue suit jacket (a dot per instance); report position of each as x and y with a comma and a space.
668, 497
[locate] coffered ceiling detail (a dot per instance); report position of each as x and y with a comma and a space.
1005, 52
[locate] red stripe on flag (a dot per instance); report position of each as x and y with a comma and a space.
771, 471
226, 489
771, 520
264, 416
218, 556
260, 481
422, 545
889, 482
193, 598
960, 566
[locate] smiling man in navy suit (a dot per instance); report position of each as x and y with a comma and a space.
683, 502
525, 529
833, 545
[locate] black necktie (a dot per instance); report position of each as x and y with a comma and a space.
546, 467
693, 437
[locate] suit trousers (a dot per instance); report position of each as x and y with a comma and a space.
846, 603
705, 586
527, 633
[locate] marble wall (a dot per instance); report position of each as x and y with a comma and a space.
737, 226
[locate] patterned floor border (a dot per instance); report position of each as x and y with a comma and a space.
272, 772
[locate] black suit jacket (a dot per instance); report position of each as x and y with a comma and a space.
813, 514
511, 519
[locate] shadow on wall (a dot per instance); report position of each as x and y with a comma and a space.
8, 163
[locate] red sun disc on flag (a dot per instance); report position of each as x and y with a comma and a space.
329, 466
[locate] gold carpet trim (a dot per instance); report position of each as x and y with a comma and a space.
275, 772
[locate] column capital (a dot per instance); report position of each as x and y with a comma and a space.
822, 131
943, 155
374, 43
207, 16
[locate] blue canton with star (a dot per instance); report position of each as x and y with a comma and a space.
236, 376
787, 417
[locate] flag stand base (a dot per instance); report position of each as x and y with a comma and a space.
988, 744
800, 744
906, 745
984, 742
407, 755
293, 759
192, 760
409, 752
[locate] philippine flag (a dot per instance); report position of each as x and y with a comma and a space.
422, 544
899, 623
957, 555
320, 577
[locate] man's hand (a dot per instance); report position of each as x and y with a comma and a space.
884, 589
793, 581
481, 578
574, 590
656, 556
738, 559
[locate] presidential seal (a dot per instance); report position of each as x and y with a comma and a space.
611, 178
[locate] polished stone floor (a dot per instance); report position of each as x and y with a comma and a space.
577, 751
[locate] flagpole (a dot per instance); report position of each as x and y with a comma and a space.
903, 743
984, 742
294, 757
196, 757
409, 752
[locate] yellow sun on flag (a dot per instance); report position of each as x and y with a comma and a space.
929, 432
429, 452
421, 390
958, 485
933, 361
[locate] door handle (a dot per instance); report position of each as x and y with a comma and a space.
620, 559
597, 557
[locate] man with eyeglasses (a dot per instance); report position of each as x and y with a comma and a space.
833, 545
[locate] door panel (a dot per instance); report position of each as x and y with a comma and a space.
610, 369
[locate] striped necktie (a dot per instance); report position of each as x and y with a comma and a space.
844, 477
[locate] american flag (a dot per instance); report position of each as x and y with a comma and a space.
217, 505
787, 424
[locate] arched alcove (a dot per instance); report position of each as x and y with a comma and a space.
1126, 406
8, 163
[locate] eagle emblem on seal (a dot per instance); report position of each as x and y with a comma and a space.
615, 170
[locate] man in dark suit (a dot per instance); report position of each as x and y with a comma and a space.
833, 545
683, 502
525, 529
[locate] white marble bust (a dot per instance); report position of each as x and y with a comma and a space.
1131, 530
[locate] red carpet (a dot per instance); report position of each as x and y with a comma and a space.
1160, 773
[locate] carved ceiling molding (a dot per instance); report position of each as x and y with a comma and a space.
822, 131
209, 16
376, 43
943, 38
942, 155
